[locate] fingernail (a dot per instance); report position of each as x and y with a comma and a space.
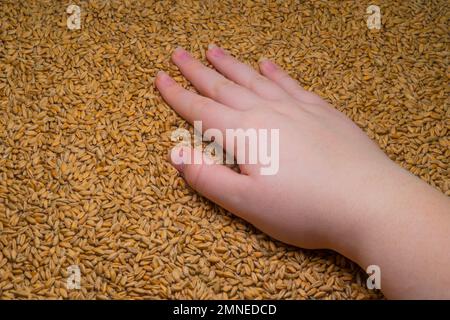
177, 159
164, 78
181, 54
215, 50
267, 64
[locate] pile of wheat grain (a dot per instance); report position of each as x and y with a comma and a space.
84, 135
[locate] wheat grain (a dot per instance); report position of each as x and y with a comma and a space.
84, 135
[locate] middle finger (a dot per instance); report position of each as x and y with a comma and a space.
212, 84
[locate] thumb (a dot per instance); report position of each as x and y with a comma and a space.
216, 182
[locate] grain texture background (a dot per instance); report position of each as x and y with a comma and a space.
84, 136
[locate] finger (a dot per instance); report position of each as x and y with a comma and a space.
212, 84
193, 107
291, 86
243, 74
216, 182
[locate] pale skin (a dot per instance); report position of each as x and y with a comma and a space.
335, 188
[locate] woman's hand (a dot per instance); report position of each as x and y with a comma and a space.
325, 160
334, 188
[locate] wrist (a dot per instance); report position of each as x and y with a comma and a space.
365, 208
403, 228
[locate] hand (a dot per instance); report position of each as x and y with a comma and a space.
334, 189
325, 160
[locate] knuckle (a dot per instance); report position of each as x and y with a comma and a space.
280, 76
196, 177
199, 103
198, 106
192, 66
220, 86
176, 90
256, 82
247, 119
